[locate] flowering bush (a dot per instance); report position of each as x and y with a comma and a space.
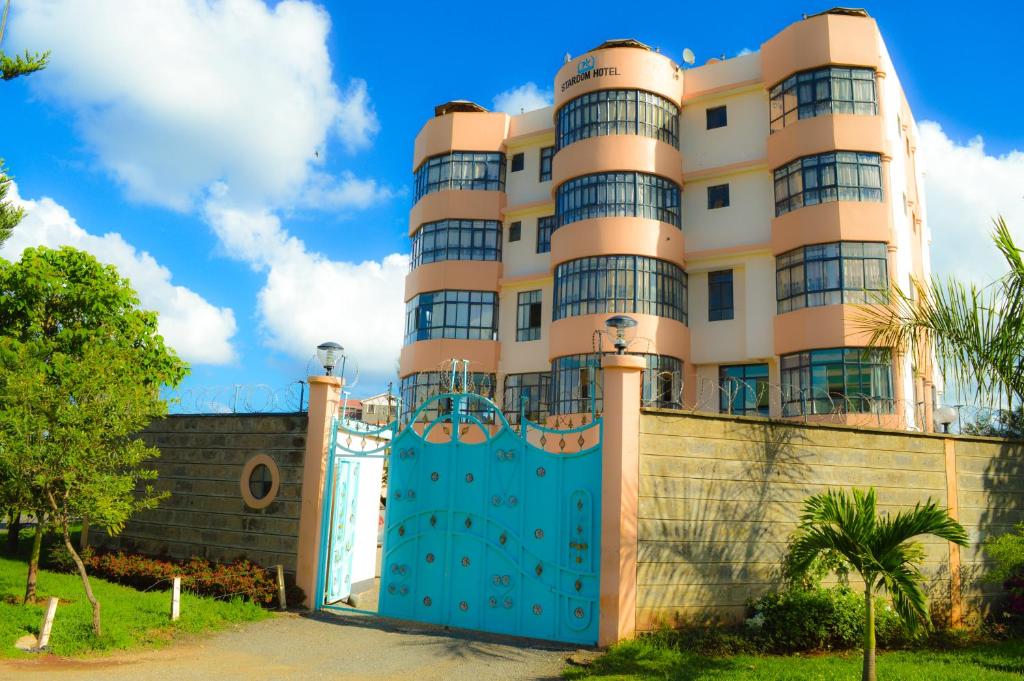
198, 575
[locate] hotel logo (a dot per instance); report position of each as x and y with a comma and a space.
586, 69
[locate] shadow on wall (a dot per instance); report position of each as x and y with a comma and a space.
726, 522
992, 490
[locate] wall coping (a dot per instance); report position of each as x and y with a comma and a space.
656, 411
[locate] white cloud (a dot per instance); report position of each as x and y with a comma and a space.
226, 108
523, 98
966, 188
309, 298
745, 51
175, 95
199, 331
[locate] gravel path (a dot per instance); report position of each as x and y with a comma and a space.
350, 647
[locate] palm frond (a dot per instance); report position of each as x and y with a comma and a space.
894, 531
903, 584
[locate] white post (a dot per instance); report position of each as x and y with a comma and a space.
176, 599
281, 601
44, 630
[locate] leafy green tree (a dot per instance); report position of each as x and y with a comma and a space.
81, 367
18, 65
10, 215
880, 550
977, 332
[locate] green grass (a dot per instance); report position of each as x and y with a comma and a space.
644, 660
130, 618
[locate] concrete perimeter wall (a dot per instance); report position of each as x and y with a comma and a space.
201, 464
719, 496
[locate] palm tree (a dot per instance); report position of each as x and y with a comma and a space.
879, 549
977, 332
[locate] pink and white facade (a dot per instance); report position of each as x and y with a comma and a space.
739, 211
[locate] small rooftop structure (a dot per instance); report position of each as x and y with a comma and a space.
458, 105
622, 42
846, 11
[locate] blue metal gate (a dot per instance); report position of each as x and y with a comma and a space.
492, 529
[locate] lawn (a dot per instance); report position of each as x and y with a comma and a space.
645, 660
130, 618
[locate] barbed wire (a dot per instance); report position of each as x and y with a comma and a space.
238, 399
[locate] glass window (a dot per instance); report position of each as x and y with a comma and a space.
718, 196
535, 387
829, 274
578, 379
617, 112
518, 160
822, 92
625, 194
528, 316
836, 176
620, 283
456, 240
720, 296
546, 154
717, 117
460, 170
545, 227
261, 481
418, 388
515, 231
471, 315
838, 380
744, 389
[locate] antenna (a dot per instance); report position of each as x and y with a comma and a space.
688, 57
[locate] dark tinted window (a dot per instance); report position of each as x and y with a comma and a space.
517, 162
717, 117
718, 196
720, 295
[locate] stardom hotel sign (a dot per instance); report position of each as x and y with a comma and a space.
586, 70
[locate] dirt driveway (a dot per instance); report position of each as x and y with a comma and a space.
329, 647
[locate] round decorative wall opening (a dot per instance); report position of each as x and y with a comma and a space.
260, 481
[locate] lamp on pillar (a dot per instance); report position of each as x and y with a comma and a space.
944, 416
328, 355
620, 323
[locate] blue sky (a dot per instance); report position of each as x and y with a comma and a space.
260, 153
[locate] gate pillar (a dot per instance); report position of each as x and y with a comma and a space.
324, 398
620, 496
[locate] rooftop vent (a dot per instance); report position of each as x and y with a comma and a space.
457, 105
846, 11
622, 42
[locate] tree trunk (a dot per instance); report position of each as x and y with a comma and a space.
869, 632
85, 578
13, 531
33, 559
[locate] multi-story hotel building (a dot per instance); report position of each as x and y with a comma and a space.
739, 211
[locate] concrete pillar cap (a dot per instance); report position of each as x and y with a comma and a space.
624, 362
329, 380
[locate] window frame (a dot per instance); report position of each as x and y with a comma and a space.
456, 311
717, 198
518, 162
620, 284
801, 371
460, 170
515, 231
826, 173
537, 386
619, 194
755, 390
546, 156
810, 93
617, 111
477, 233
721, 312
528, 302
796, 272
711, 117
546, 226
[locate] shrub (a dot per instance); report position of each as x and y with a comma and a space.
1007, 553
807, 619
198, 575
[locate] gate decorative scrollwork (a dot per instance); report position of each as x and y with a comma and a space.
492, 529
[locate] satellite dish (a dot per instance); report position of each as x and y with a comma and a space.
688, 56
